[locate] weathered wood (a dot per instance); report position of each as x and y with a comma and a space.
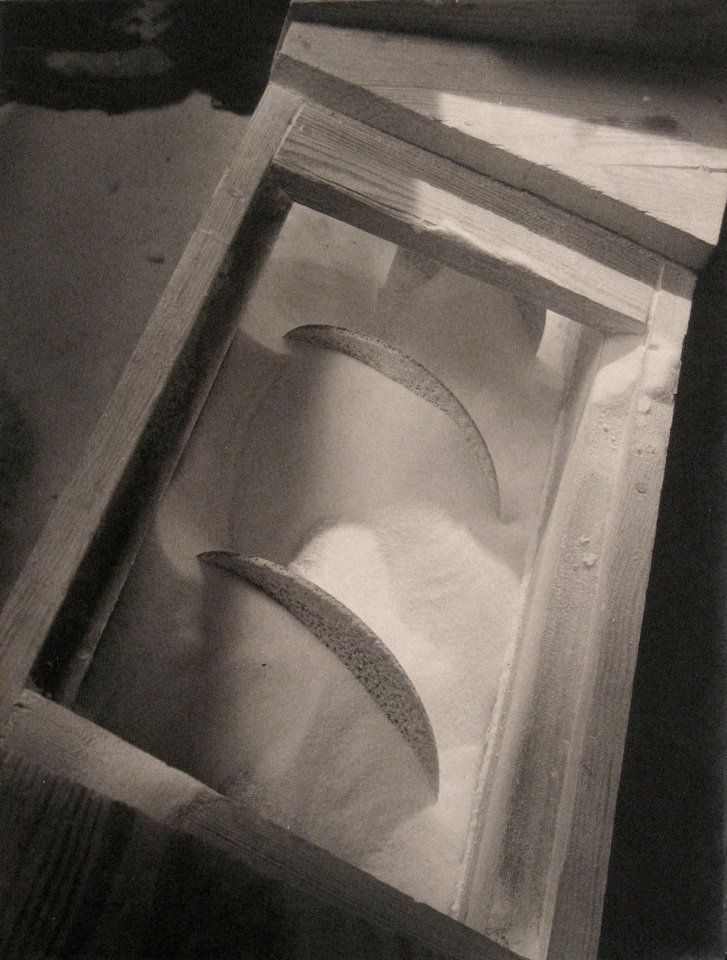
492, 820
605, 697
623, 145
550, 791
162, 842
73, 571
673, 27
540, 847
473, 223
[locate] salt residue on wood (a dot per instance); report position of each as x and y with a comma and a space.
315, 461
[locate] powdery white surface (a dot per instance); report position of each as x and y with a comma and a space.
283, 724
442, 603
335, 440
312, 459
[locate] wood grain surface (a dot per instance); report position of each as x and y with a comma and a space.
110, 853
77, 565
473, 223
549, 802
640, 148
603, 708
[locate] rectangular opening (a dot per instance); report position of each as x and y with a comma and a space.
364, 466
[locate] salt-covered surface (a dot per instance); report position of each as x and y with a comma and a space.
353, 642
316, 461
283, 724
404, 370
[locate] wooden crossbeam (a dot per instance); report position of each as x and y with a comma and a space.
629, 147
476, 224
109, 851
81, 558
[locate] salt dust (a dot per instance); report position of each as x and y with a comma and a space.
443, 604
316, 461
284, 725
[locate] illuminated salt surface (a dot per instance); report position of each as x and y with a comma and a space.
316, 461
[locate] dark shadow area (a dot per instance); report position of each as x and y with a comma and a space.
670, 31
665, 894
131, 54
18, 453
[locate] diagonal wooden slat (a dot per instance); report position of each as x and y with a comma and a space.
629, 146
140, 436
151, 832
472, 222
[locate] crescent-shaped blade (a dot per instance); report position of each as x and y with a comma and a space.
353, 642
397, 366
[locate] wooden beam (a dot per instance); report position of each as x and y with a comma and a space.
628, 146
538, 868
471, 222
80, 560
102, 839
596, 760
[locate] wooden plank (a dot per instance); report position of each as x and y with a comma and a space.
473, 223
492, 804
317, 904
667, 870
139, 437
541, 857
606, 696
639, 148
70, 861
672, 27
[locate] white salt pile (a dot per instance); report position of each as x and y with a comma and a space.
347, 636
285, 725
316, 461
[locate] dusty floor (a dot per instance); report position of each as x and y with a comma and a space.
95, 211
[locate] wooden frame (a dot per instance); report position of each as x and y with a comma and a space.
538, 858
617, 142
